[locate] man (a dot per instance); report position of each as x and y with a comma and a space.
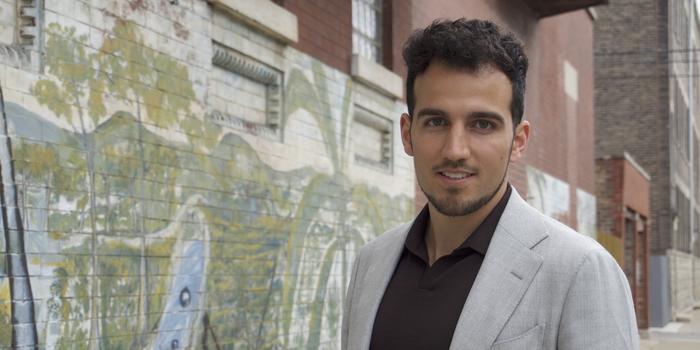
479, 268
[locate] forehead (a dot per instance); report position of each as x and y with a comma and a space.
438, 70
486, 86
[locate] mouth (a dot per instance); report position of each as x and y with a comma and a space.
455, 175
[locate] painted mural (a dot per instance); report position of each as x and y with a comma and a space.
551, 196
146, 225
548, 194
586, 213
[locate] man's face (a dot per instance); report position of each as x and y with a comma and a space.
461, 136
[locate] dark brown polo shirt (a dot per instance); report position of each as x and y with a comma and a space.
422, 303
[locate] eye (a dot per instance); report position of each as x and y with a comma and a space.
436, 122
483, 125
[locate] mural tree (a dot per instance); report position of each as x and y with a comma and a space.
76, 96
142, 182
123, 71
351, 206
157, 87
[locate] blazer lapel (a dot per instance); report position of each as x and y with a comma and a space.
375, 280
506, 273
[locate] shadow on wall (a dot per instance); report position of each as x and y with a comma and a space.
145, 221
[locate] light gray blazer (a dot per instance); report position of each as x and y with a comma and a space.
540, 286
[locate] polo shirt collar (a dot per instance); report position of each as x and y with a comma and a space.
478, 241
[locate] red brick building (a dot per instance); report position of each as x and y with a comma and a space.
646, 105
623, 194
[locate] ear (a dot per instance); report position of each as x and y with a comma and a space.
522, 133
406, 134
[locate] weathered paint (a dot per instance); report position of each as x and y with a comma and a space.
548, 194
586, 213
143, 218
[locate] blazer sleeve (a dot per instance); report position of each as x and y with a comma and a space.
345, 328
598, 312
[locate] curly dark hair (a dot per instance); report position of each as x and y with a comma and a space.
470, 45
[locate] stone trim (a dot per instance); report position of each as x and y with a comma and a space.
29, 14
636, 166
570, 80
382, 125
237, 63
234, 122
15, 55
263, 15
592, 13
25, 52
240, 64
377, 76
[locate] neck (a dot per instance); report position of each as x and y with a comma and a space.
446, 233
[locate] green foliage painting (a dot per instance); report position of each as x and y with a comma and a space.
158, 228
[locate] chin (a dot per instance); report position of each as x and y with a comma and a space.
450, 207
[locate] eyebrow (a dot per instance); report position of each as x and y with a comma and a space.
434, 112
431, 112
488, 115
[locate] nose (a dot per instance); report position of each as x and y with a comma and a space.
456, 146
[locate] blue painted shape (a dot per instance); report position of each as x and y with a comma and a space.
181, 313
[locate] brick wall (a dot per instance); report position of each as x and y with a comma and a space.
560, 104
187, 181
325, 30
397, 26
631, 95
623, 199
609, 192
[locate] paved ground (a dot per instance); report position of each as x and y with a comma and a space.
675, 336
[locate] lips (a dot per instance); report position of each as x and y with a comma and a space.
455, 175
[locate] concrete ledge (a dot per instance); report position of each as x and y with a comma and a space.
263, 15
684, 317
376, 76
592, 13
636, 165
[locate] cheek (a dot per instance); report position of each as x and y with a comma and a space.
492, 150
426, 146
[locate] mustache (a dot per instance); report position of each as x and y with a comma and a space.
448, 164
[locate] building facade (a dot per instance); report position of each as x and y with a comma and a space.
646, 103
191, 173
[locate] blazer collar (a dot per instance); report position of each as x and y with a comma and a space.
508, 269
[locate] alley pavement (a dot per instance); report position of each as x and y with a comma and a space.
675, 335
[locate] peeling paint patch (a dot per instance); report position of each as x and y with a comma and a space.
181, 31
548, 194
